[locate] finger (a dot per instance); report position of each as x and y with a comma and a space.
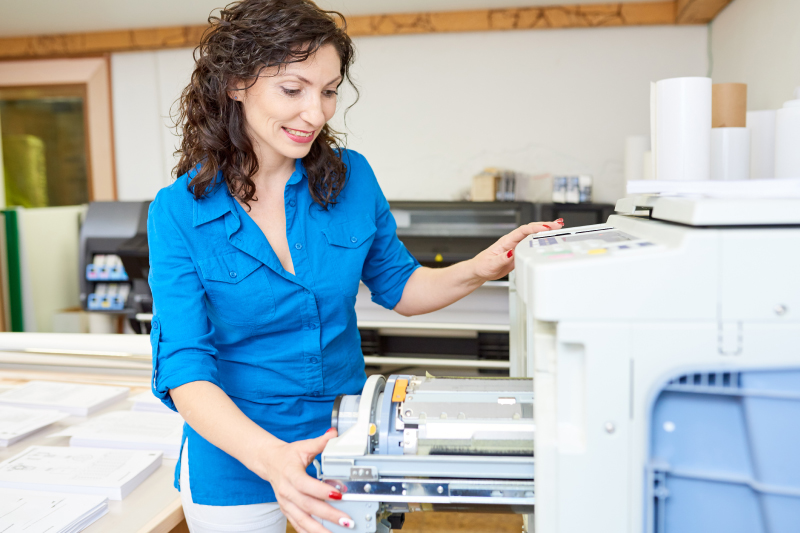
318, 444
324, 510
312, 447
304, 520
315, 488
511, 240
296, 526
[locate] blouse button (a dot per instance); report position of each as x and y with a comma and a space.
292, 203
313, 360
298, 246
232, 274
353, 239
154, 324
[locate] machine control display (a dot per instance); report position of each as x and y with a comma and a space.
605, 236
599, 241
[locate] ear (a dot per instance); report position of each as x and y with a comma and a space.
236, 90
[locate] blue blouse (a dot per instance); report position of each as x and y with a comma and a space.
282, 346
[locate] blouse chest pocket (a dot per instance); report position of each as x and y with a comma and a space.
348, 245
238, 288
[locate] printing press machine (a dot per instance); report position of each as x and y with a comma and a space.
662, 347
471, 333
655, 386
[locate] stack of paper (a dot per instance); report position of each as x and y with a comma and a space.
17, 423
48, 512
110, 473
129, 430
80, 400
147, 402
772, 188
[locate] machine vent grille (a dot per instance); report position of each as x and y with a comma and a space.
493, 346
714, 380
370, 341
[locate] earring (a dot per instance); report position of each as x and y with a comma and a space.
235, 97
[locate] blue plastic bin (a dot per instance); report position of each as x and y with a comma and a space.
725, 454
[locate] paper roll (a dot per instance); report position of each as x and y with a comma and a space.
681, 108
787, 139
647, 164
730, 154
729, 105
762, 144
635, 147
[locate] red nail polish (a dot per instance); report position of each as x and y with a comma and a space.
546, 226
510, 253
329, 431
335, 495
560, 221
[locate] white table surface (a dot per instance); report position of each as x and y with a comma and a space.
152, 507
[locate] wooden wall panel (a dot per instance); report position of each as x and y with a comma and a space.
566, 16
698, 11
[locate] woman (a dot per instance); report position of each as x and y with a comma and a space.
256, 254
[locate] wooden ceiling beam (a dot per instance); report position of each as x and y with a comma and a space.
525, 18
698, 11
554, 17
98, 43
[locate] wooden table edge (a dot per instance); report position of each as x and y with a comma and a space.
168, 518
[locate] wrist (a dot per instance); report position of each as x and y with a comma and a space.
264, 453
474, 277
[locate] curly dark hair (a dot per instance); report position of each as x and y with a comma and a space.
247, 37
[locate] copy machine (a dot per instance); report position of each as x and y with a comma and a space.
659, 357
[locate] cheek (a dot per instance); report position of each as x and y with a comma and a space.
329, 109
265, 113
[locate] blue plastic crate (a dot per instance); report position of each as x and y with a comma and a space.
725, 454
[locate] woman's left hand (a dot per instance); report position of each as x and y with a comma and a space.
498, 260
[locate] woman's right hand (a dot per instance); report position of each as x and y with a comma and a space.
299, 495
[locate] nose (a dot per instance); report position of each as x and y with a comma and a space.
313, 113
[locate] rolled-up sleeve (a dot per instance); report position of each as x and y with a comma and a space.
181, 332
388, 264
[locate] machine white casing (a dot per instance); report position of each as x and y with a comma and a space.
602, 331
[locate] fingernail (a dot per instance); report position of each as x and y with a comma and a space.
329, 431
346, 522
546, 226
510, 253
560, 221
335, 495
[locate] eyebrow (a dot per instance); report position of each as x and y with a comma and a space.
304, 80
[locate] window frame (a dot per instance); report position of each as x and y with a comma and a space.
93, 74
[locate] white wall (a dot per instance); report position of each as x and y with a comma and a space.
757, 42
435, 109
144, 86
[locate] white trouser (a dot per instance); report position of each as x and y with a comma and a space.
256, 518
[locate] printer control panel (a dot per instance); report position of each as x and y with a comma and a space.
588, 241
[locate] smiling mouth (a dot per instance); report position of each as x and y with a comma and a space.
299, 133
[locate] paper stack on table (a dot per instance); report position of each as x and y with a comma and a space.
17, 423
48, 512
110, 473
147, 402
80, 400
129, 430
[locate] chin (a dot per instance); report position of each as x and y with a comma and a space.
297, 152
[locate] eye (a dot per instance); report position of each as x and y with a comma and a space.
330, 93
290, 92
